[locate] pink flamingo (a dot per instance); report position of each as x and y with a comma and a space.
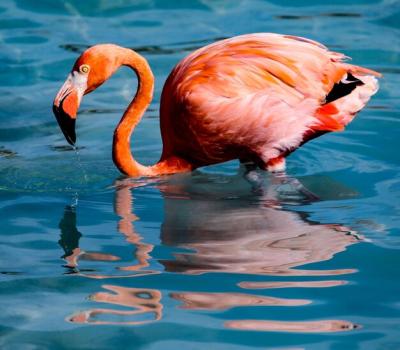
254, 97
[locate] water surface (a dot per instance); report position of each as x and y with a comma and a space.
91, 260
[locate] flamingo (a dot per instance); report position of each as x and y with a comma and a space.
255, 97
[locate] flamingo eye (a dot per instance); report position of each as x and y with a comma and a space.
84, 68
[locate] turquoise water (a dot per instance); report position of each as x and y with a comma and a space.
90, 260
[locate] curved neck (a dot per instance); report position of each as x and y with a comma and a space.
122, 155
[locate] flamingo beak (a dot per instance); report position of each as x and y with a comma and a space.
66, 104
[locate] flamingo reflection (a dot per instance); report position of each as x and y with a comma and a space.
123, 208
241, 236
70, 236
139, 301
250, 237
69, 242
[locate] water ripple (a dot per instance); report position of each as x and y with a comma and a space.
202, 259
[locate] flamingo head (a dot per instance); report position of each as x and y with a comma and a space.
90, 70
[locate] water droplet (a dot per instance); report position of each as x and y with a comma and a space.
75, 200
80, 166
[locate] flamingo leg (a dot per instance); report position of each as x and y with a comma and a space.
282, 179
278, 180
277, 164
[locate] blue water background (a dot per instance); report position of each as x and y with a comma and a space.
89, 260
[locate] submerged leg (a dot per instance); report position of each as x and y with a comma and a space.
276, 166
249, 171
281, 179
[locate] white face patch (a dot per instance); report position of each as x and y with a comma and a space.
79, 82
75, 81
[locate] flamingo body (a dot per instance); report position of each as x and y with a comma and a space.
254, 97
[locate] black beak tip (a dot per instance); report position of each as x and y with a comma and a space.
66, 123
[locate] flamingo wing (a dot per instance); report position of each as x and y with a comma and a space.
265, 94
